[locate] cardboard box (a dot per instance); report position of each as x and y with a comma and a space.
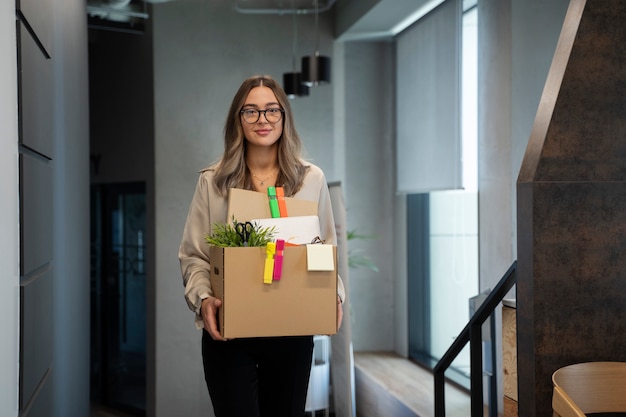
301, 303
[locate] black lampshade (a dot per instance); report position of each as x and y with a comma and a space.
315, 70
293, 86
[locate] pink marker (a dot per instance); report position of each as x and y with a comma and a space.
278, 259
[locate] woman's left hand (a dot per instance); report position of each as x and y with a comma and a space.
339, 313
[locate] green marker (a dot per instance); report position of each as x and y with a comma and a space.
274, 210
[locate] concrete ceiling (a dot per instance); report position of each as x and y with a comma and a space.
355, 19
378, 19
282, 6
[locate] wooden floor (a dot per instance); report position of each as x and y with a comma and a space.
389, 385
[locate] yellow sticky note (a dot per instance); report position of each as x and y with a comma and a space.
320, 257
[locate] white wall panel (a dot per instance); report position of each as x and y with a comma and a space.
38, 14
36, 95
36, 224
37, 333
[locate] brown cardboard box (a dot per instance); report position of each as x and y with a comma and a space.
302, 302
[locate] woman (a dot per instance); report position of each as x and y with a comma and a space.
253, 377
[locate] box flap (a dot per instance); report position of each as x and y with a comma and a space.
246, 205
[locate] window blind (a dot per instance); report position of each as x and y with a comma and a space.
428, 91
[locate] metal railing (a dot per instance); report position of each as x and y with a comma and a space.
472, 333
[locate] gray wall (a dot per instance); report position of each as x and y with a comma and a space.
517, 41
71, 212
369, 188
536, 27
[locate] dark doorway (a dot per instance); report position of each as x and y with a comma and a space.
118, 297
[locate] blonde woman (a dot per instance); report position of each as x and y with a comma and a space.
252, 377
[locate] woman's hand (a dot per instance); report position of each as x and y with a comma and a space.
208, 311
339, 313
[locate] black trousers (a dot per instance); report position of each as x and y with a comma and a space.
258, 377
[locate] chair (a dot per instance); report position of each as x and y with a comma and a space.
590, 387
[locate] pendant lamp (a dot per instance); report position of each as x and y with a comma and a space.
316, 68
293, 85
292, 81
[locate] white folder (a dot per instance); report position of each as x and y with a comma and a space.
298, 230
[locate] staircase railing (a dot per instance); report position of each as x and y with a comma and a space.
472, 333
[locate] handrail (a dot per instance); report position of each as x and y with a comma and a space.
472, 333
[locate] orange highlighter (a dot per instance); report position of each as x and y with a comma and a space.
282, 204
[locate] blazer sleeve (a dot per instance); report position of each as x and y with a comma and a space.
193, 251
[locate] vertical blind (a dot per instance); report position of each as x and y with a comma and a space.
428, 91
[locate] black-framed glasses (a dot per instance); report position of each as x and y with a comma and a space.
272, 115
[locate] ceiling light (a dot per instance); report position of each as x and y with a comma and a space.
293, 85
316, 68
292, 81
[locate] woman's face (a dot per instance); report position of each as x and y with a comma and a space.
262, 132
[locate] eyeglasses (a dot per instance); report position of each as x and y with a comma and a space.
272, 115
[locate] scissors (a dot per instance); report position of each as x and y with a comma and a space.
244, 230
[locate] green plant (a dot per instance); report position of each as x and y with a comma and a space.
355, 258
226, 235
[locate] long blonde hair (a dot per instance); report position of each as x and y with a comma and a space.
232, 172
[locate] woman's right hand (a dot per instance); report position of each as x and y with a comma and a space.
208, 310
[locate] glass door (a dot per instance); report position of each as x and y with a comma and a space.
118, 297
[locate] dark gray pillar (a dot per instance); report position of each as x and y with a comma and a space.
571, 292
